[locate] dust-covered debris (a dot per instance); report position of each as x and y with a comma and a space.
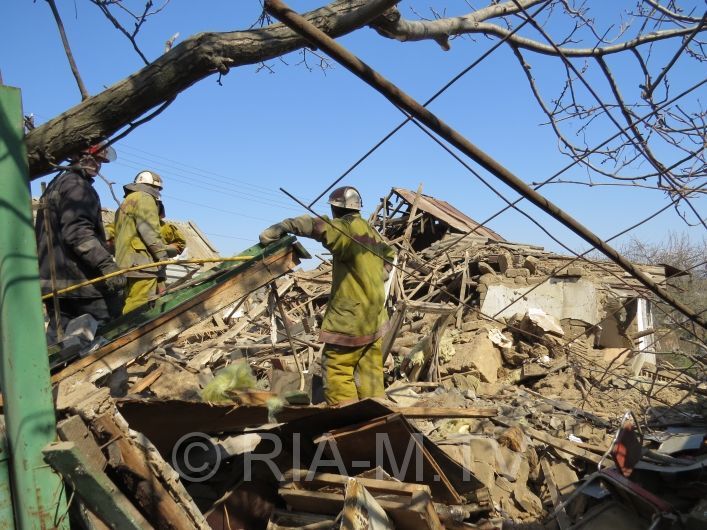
556, 349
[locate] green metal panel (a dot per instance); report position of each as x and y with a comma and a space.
24, 369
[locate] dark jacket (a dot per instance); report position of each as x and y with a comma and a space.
79, 241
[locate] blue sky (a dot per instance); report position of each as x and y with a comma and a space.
224, 151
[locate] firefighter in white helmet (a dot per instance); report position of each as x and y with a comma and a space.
137, 238
355, 319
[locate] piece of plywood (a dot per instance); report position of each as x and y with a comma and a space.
165, 421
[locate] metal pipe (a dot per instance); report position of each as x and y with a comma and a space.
407, 104
37, 491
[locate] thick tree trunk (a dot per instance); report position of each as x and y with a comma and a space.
194, 59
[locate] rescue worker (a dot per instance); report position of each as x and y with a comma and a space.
70, 217
137, 238
170, 233
355, 319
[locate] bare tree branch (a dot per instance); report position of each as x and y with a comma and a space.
393, 26
651, 86
67, 49
190, 61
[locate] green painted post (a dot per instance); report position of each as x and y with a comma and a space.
37, 491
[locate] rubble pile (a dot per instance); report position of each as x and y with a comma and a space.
523, 389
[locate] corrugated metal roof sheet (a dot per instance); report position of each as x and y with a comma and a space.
447, 213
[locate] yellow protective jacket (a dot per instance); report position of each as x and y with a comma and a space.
137, 233
356, 313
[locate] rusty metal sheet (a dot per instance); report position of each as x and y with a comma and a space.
165, 421
444, 211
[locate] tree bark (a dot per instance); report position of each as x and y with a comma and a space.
194, 59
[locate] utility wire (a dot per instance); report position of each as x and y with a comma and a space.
199, 171
204, 177
430, 100
590, 152
206, 186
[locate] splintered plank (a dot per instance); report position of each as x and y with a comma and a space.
361, 511
94, 488
134, 471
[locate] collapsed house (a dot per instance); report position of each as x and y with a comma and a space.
524, 388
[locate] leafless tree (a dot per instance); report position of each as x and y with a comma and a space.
688, 257
612, 71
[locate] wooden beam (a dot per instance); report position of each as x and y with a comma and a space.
147, 487
94, 488
146, 381
563, 445
446, 412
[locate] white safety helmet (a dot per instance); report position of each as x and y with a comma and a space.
149, 177
346, 197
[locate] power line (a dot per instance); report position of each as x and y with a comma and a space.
199, 171
430, 100
228, 237
210, 207
185, 170
215, 187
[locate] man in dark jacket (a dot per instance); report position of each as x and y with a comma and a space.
72, 210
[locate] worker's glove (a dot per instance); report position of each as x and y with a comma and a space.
115, 284
272, 234
172, 251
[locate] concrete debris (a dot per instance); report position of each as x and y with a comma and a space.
538, 322
501, 411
